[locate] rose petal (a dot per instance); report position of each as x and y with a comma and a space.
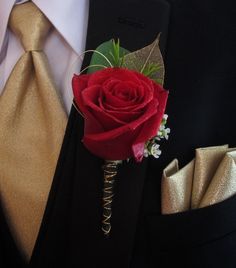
114, 148
127, 127
150, 127
144, 96
79, 83
112, 99
123, 115
90, 99
99, 77
119, 93
144, 79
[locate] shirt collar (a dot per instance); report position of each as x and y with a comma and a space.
68, 17
5, 10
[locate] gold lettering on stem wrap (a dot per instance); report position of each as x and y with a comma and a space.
110, 169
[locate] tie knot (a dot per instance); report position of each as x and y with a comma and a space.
30, 25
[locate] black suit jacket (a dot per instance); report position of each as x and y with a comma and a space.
198, 43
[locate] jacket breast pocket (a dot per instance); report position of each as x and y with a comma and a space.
200, 238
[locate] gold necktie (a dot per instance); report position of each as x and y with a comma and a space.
32, 125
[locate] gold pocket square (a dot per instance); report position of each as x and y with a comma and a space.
208, 179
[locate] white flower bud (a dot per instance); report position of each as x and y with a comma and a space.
145, 153
165, 116
155, 151
166, 132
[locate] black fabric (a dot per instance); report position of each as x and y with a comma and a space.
198, 41
199, 238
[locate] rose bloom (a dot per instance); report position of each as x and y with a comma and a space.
123, 109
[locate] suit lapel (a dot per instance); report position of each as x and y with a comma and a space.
75, 201
135, 22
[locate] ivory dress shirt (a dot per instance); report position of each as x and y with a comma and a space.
63, 47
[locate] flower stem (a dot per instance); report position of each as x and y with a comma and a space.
110, 169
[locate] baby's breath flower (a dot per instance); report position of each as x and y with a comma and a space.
152, 147
155, 151
145, 153
166, 133
165, 117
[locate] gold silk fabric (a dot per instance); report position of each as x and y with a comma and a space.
32, 126
176, 187
208, 179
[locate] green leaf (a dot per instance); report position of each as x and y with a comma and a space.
112, 54
147, 61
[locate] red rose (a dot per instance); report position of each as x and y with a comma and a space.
123, 109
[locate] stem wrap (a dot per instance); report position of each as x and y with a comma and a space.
110, 169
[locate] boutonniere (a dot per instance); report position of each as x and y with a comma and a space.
123, 103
